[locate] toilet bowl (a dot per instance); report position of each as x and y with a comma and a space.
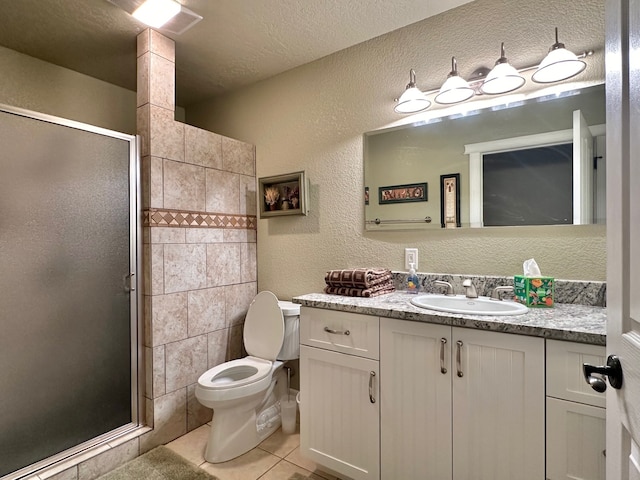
244, 394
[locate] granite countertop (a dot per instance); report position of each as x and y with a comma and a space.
571, 322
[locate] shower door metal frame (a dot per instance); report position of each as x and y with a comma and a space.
136, 297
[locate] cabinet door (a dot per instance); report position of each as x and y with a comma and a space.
564, 371
498, 406
415, 407
575, 441
339, 408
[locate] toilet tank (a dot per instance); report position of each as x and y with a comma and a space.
291, 344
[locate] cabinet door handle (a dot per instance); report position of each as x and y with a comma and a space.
372, 375
458, 358
443, 342
336, 332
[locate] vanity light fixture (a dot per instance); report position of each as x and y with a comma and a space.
455, 89
503, 78
156, 13
559, 64
412, 99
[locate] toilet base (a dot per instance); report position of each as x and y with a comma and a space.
236, 429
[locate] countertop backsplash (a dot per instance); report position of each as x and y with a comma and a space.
576, 292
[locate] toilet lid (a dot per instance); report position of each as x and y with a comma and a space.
264, 327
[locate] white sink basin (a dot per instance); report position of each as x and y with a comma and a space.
470, 306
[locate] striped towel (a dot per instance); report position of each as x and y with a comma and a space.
362, 278
361, 292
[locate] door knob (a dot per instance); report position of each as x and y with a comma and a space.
613, 370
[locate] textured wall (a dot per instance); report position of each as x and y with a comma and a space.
32, 84
198, 191
312, 118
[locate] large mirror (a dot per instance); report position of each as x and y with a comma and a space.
538, 161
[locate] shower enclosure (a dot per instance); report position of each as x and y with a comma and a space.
68, 307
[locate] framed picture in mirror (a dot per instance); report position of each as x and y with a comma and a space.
283, 195
450, 200
414, 192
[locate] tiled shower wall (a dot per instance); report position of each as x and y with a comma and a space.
199, 202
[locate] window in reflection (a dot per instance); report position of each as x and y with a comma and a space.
532, 186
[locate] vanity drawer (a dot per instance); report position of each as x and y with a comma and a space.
343, 332
564, 371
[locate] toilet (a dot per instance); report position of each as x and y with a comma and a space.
245, 393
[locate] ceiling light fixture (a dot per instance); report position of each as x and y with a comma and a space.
559, 64
455, 89
412, 99
503, 78
156, 13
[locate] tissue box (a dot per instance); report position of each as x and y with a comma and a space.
534, 291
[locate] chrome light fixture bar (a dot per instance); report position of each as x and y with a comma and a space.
559, 64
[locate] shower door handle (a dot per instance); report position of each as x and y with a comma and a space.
129, 282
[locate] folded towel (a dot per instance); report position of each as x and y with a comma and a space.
360, 292
358, 277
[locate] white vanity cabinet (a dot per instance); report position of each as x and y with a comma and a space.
460, 403
575, 413
339, 385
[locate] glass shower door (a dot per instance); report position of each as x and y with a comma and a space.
67, 316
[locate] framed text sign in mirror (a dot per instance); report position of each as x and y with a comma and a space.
558, 137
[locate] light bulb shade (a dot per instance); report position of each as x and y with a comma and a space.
559, 64
412, 100
156, 13
454, 90
503, 78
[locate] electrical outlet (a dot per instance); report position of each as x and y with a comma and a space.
410, 256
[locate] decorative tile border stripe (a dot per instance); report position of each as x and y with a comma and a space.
154, 217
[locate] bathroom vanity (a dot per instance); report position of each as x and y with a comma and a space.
390, 390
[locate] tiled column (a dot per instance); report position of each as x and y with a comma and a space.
199, 201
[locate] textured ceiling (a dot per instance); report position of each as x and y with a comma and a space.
238, 42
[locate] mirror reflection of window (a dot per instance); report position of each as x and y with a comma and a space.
532, 186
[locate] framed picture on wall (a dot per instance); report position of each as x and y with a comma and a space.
450, 200
283, 195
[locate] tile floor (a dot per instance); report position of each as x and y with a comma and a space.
276, 458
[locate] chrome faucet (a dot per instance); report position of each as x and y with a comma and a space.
447, 285
469, 289
495, 294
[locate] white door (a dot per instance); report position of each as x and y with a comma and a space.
582, 171
623, 234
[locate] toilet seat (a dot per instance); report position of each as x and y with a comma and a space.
235, 373
258, 373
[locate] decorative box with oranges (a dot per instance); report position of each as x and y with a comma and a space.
534, 291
